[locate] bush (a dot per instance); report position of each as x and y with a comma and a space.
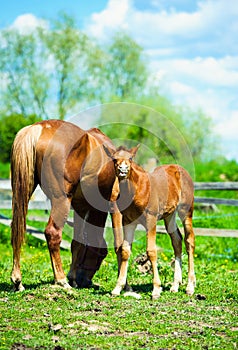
9, 126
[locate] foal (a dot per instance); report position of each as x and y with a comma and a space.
145, 198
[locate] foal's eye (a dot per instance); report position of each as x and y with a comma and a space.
114, 160
130, 159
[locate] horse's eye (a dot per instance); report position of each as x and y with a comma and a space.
114, 160
130, 159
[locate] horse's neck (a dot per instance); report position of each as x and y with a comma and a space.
137, 184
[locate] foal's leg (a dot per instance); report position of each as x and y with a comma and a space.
53, 234
125, 255
118, 236
176, 239
152, 255
118, 241
190, 246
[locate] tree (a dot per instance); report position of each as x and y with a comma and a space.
9, 126
66, 46
168, 133
24, 81
125, 70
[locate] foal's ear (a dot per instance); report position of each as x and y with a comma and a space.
108, 151
134, 150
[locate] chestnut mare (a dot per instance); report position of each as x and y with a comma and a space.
72, 169
147, 197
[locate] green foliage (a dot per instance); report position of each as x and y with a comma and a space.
59, 70
9, 126
26, 83
67, 46
125, 69
169, 133
220, 169
4, 170
63, 67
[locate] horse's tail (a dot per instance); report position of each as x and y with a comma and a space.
23, 158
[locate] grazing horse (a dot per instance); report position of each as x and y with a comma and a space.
147, 197
72, 169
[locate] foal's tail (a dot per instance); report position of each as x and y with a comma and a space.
23, 158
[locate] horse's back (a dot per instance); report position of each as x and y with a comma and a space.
173, 173
174, 183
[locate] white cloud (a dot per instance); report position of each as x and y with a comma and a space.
113, 17
27, 23
193, 53
212, 27
228, 127
209, 71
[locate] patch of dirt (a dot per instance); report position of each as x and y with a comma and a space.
90, 326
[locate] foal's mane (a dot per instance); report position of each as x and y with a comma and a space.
123, 148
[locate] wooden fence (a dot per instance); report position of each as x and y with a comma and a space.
39, 201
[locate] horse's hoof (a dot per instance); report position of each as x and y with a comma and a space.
190, 288
63, 284
73, 283
174, 289
128, 288
18, 287
156, 293
116, 292
190, 292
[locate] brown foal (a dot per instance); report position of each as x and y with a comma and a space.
145, 198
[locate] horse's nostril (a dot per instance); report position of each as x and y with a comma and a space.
123, 168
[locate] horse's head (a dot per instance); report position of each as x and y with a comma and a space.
122, 159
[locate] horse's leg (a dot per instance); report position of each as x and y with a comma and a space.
152, 255
93, 248
190, 246
53, 233
76, 245
125, 255
176, 239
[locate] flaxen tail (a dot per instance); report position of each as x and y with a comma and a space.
23, 158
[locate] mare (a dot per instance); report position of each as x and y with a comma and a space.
73, 170
145, 198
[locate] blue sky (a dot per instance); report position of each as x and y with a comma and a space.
191, 45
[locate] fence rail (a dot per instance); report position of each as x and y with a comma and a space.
40, 201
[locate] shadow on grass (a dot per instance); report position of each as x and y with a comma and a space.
8, 287
147, 288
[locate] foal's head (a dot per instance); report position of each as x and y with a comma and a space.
122, 159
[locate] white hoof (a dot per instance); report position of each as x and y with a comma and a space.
63, 284
156, 293
174, 288
190, 288
116, 291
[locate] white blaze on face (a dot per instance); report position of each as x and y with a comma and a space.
123, 169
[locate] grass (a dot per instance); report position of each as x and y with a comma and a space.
48, 317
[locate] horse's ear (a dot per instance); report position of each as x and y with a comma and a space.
134, 150
108, 151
